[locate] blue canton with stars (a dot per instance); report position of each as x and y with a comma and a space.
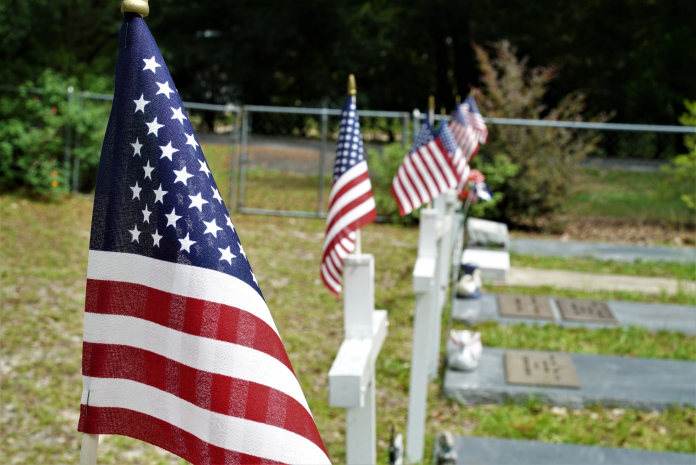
426, 134
447, 138
349, 149
155, 195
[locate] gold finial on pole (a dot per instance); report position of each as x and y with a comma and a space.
443, 112
135, 6
458, 99
352, 88
431, 109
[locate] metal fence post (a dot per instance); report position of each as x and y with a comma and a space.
322, 158
404, 130
235, 141
68, 143
243, 158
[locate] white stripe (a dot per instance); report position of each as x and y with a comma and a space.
419, 162
350, 195
406, 182
347, 177
347, 244
176, 278
233, 433
201, 353
450, 180
403, 201
412, 171
332, 282
429, 157
353, 215
331, 269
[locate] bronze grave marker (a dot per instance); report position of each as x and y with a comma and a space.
585, 310
524, 306
540, 369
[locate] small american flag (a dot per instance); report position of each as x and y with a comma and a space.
468, 128
180, 349
430, 169
351, 204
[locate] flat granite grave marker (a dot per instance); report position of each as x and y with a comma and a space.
524, 306
534, 368
495, 451
585, 310
641, 383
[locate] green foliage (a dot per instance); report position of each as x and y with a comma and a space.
497, 171
545, 157
33, 128
682, 182
383, 168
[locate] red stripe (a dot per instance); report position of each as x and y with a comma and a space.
186, 314
428, 172
448, 159
352, 183
108, 420
402, 212
364, 220
348, 207
210, 391
414, 187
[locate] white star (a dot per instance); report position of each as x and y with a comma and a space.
140, 104
227, 254
151, 64
146, 215
182, 176
191, 140
186, 244
172, 218
156, 238
136, 147
216, 194
164, 89
136, 191
178, 115
197, 201
212, 228
159, 194
168, 151
153, 127
241, 250
204, 168
135, 233
229, 222
148, 170
254, 277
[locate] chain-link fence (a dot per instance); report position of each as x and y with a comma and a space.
279, 160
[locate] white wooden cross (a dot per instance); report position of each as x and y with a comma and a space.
352, 375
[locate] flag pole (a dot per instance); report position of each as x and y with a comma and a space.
90, 442
431, 120
353, 92
458, 99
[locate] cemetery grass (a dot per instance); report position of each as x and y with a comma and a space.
43, 259
661, 269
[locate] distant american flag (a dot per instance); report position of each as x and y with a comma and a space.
180, 349
430, 169
351, 204
468, 128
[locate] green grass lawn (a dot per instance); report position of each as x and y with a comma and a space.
682, 271
43, 259
626, 194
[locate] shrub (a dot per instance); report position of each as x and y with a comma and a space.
545, 157
497, 171
32, 137
682, 179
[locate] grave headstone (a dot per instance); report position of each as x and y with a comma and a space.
585, 310
494, 264
495, 451
484, 234
540, 369
524, 306
641, 383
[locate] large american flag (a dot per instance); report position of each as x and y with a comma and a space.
180, 349
431, 168
468, 128
351, 204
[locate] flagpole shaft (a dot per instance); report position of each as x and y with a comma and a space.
358, 243
88, 453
